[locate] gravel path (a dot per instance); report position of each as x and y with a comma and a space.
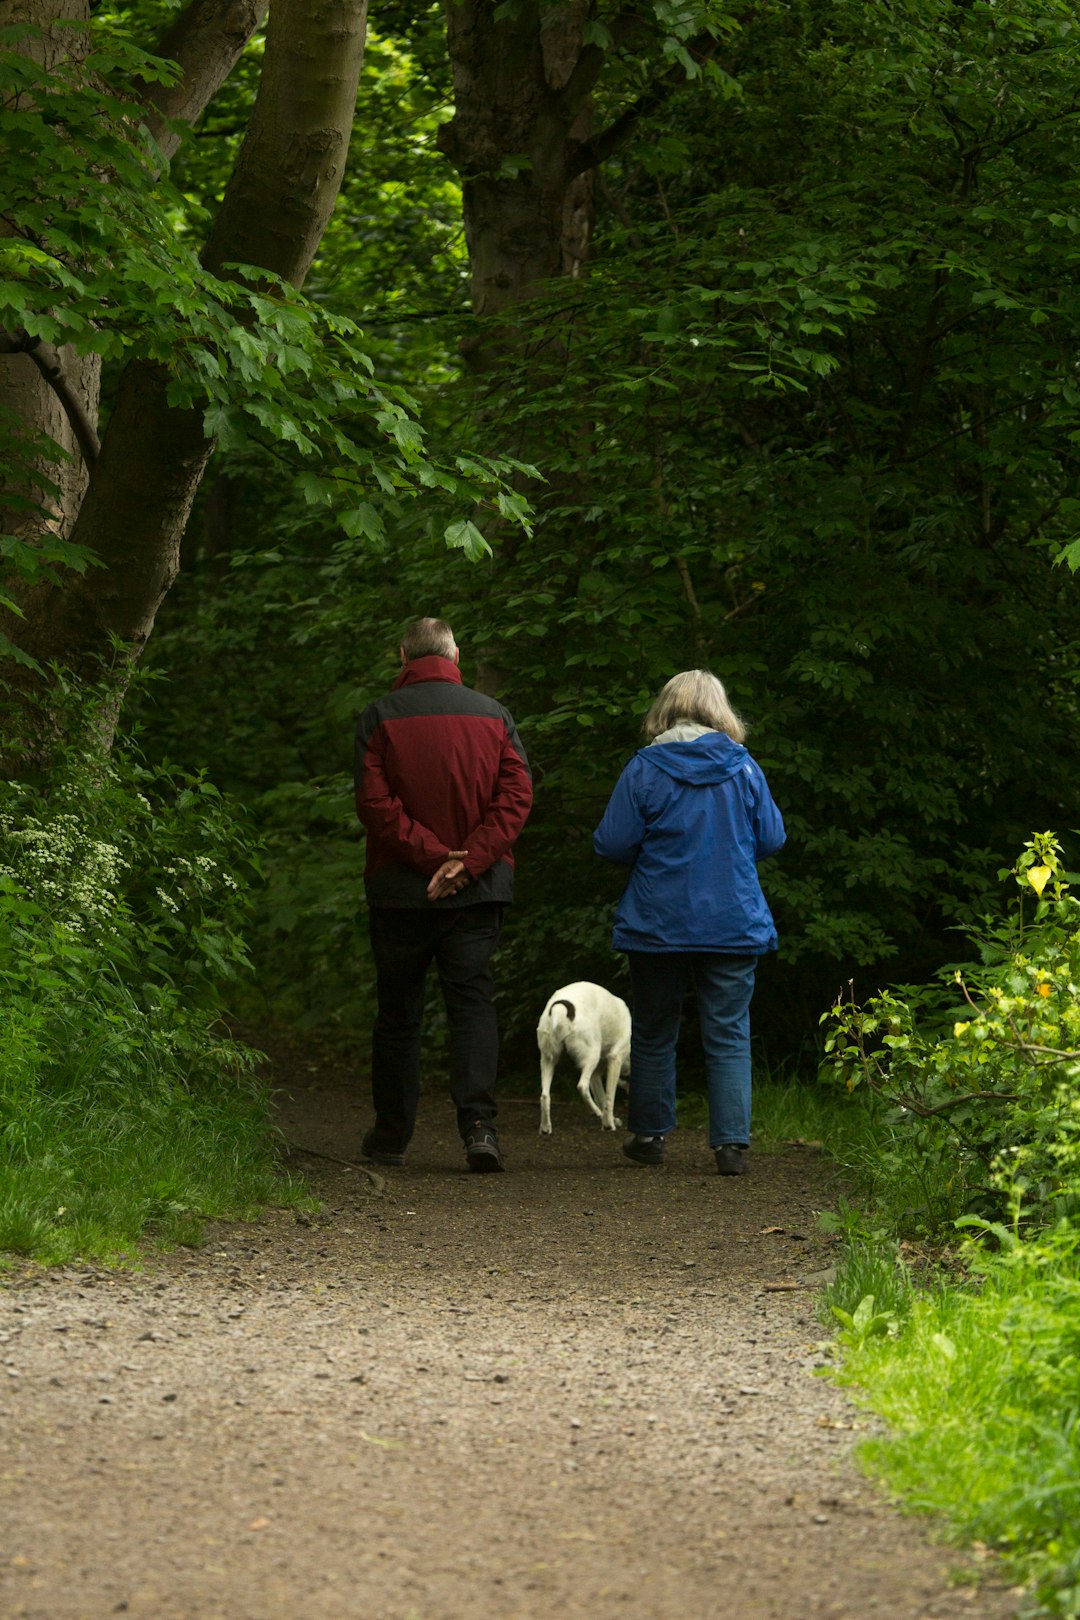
581, 1389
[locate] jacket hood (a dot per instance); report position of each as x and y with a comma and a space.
429, 668
701, 761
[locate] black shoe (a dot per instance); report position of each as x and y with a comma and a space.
482, 1148
645, 1149
378, 1155
732, 1160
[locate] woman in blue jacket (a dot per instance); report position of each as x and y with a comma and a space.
691, 815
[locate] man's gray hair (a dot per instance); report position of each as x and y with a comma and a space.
425, 638
698, 696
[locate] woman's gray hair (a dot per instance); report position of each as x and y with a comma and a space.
426, 638
696, 696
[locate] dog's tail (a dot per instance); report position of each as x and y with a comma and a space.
553, 1014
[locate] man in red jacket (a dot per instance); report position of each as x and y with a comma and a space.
443, 788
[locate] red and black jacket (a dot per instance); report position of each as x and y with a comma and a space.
439, 767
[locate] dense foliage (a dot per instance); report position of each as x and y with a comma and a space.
970, 1124
809, 420
123, 1100
980, 1071
100, 252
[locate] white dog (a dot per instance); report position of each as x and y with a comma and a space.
589, 1024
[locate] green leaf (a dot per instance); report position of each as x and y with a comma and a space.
363, 520
465, 535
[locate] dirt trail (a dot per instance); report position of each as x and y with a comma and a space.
577, 1390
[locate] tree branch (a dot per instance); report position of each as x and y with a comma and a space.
285, 182
207, 39
579, 86
924, 1111
589, 154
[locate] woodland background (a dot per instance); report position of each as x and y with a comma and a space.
629, 337
779, 302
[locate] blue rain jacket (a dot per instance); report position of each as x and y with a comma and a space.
692, 819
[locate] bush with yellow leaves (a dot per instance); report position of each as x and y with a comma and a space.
981, 1069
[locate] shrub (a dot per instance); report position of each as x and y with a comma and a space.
980, 1070
123, 1100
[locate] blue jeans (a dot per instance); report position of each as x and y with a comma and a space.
724, 986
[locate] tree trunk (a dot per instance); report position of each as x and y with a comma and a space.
522, 141
153, 455
522, 120
521, 138
286, 180
522, 111
24, 390
132, 516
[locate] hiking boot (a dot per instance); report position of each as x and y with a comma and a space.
482, 1148
645, 1149
732, 1160
369, 1149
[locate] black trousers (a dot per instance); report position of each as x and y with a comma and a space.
404, 944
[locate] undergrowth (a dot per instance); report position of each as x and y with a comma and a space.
96, 1157
955, 1304
969, 1147
125, 1108
979, 1385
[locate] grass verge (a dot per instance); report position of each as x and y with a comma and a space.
93, 1161
979, 1385
974, 1367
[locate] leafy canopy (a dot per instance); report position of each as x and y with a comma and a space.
100, 254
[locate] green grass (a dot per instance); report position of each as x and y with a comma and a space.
899, 1186
100, 1150
981, 1394
791, 1111
788, 1111
870, 1268
781, 1114
976, 1374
